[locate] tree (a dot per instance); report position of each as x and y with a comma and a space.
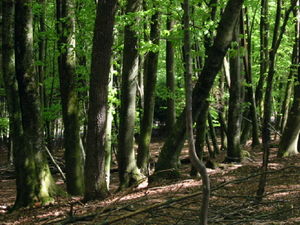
198, 164
69, 97
128, 170
266, 134
8, 73
289, 141
168, 158
170, 76
235, 101
34, 180
95, 185
149, 96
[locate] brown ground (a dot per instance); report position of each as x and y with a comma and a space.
176, 202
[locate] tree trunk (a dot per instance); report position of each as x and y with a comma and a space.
95, 182
69, 97
149, 96
168, 157
213, 135
235, 103
247, 59
264, 51
108, 132
8, 73
266, 134
289, 141
129, 173
288, 90
199, 165
200, 137
170, 78
42, 51
34, 180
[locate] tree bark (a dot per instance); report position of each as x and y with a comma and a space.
235, 102
289, 141
95, 182
264, 51
69, 96
247, 59
168, 157
9, 78
266, 134
129, 173
149, 96
170, 78
34, 180
199, 165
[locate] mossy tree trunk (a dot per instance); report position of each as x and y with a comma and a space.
128, 170
95, 182
69, 96
149, 95
34, 180
168, 158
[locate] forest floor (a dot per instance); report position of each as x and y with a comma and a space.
178, 201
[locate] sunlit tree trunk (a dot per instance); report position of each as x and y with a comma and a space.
95, 182
235, 103
129, 173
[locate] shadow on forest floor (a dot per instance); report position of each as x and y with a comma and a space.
177, 202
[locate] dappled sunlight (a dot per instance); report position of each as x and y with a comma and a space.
234, 187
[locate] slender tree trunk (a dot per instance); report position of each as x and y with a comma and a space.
247, 59
128, 171
213, 135
168, 157
289, 141
108, 132
235, 103
170, 78
34, 180
199, 165
200, 137
10, 82
69, 97
149, 97
95, 184
264, 51
42, 50
288, 90
266, 134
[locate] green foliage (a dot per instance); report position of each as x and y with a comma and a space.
52, 113
4, 125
